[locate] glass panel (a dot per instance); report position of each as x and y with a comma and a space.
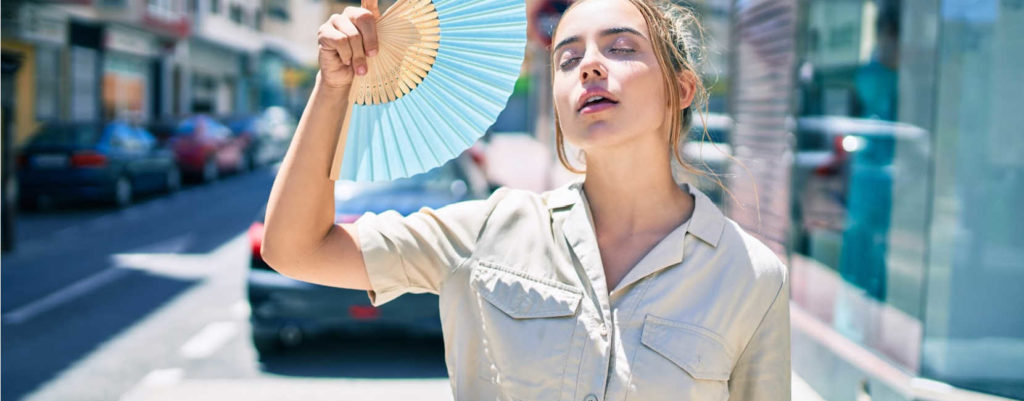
974, 334
859, 175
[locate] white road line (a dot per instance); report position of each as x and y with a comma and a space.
208, 340
63, 295
157, 378
163, 377
240, 310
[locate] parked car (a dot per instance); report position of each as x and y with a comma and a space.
205, 148
163, 128
285, 311
110, 162
276, 129
262, 144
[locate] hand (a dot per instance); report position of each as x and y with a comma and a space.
345, 41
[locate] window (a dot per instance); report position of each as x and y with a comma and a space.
236, 14
47, 83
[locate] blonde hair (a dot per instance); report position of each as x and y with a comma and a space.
678, 49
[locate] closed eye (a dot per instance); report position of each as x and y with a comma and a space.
565, 64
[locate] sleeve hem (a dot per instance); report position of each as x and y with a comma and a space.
383, 267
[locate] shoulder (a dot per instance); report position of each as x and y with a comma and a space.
509, 203
754, 261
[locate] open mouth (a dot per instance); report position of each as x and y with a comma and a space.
596, 103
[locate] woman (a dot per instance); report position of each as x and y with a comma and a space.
623, 285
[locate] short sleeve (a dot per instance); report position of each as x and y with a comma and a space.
414, 253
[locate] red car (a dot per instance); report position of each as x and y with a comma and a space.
204, 148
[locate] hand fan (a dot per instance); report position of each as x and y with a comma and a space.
443, 71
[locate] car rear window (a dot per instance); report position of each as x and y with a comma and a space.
69, 134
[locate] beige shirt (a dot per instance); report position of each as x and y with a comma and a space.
526, 315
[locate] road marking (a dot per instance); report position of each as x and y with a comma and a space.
208, 340
63, 295
160, 379
241, 310
163, 377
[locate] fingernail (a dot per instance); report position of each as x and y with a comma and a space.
372, 52
361, 70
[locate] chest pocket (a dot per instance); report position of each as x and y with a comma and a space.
528, 328
680, 360
522, 296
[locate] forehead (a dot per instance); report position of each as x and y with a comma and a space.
596, 15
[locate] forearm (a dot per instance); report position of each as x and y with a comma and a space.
300, 209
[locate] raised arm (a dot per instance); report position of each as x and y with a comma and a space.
300, 238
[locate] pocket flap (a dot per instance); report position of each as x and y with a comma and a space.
522, 296
693, 348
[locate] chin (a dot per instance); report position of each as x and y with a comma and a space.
600, 134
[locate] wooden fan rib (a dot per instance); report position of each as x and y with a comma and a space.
387, 67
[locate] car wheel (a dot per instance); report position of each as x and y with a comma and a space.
266, 344
210, 170
173, 181
28, 203
122, 192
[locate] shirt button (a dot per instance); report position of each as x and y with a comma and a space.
590, 397
604, 332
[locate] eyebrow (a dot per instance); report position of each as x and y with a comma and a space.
606, 32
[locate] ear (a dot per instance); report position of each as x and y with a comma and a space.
687, 81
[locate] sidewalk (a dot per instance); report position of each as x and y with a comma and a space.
305, 389
803, 391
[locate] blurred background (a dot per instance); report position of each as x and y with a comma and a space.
876, 145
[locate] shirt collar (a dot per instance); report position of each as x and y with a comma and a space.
706, 223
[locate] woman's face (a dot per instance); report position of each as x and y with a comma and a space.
602, 48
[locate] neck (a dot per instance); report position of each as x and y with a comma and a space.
631, 191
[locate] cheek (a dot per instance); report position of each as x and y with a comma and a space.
644, 93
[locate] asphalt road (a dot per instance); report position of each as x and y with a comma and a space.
147, 303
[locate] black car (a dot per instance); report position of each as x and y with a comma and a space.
285, 311
110, 162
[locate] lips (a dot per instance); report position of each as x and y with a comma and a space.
581, 103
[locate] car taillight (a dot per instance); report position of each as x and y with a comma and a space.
88, 159
256, 240
361, 312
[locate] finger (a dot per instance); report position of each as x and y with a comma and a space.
372, 6
367, 26
358, 56
354, 39
342, 30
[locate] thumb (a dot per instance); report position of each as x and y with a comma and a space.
372, 6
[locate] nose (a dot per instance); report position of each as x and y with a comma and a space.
592, 68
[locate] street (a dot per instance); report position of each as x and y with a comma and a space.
148, 303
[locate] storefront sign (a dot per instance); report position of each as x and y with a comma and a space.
131, 41
41, 24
